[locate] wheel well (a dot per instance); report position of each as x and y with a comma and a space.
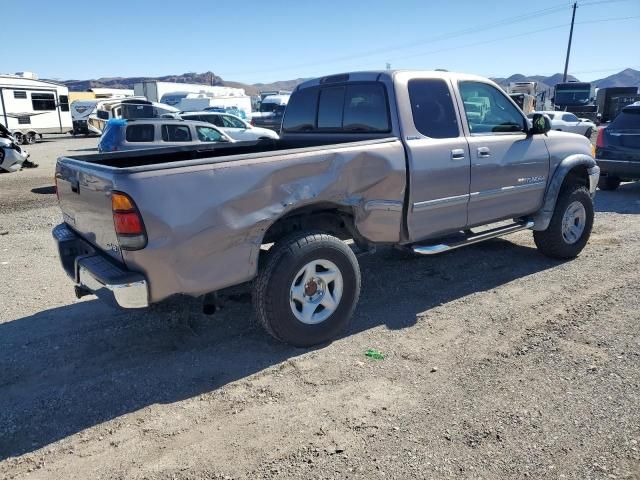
337, 221
578, 175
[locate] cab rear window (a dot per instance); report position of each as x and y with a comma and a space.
628, 119
353, 107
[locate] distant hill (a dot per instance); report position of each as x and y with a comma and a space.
628, 77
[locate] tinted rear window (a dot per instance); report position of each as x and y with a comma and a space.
357, 107
627, 120
140, 133
176, 133
301, 111
432, 107
330, 107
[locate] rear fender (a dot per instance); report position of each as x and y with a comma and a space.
543, 217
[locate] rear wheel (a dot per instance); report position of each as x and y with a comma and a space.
19, 138
570, 225
608, 183
308, 288
30, 138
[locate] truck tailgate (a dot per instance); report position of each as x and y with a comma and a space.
85, 201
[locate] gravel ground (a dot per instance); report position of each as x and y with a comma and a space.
500, 363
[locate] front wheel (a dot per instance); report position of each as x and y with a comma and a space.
570, 225
307, 290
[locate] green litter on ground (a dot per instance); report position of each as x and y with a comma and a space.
375, 354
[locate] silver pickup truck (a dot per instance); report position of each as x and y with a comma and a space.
425, 161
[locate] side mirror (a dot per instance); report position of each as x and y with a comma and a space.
540, 124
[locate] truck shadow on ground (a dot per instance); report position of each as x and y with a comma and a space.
626, 199
70, 368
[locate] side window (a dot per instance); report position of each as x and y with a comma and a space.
140, 133
330, 107
366, 109
64, 103
231, 122
570, 117
19, 94
300, 115
213, 119
208, 134
432, 106
176, 133
43, 101
488, 110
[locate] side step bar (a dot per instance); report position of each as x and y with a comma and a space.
471, 239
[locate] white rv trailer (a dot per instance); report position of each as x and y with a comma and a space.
194, 102
155, 91
82, 109
131, 107
31, 107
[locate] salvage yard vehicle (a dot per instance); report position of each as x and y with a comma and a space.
12, 156
382, 158
568, 122
233, 126
121, 135
618, 149
271, 112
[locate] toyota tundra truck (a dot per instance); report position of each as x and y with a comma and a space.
424, 161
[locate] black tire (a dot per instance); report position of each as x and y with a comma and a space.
19, 138
589, 132
608, 183
272, 286
551, 241
30, 138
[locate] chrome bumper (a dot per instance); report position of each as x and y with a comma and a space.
93, 271
594, 176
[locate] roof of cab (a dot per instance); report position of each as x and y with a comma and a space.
377, 75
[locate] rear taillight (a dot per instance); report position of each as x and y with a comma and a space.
127, 222
600, 143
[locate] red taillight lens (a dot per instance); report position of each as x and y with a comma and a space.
600, 140
127, 222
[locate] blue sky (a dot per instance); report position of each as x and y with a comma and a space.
263, 41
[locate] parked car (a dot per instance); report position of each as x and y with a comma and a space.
383, 158
233, 126
271, 112
568, 122
12, 155
121, 134
618, 149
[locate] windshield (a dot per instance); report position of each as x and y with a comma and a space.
271, 107
575, 96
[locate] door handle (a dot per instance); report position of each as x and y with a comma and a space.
484, 152
457, 154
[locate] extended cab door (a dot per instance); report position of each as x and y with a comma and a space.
438, 156
509, 167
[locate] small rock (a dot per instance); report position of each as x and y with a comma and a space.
592, 368
434, 369
4, 232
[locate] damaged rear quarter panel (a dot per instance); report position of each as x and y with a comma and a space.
205, 223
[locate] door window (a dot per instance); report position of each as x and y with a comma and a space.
570, 117
140, 133
64, 103
176, 133
230, 122
432, 108
489, 111
208, 134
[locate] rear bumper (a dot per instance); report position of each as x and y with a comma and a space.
93, 271
619, 168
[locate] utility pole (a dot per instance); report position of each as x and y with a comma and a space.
566, 63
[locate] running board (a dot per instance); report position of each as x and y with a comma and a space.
471, 239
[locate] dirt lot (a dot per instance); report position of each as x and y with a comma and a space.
500, 363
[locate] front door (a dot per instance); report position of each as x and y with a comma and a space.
438, 156
509, 167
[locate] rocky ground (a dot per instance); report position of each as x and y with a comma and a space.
499, 363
